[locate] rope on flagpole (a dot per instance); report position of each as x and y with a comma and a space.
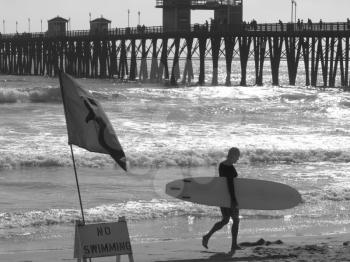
77, 182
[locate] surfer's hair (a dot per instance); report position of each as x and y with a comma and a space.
234, 151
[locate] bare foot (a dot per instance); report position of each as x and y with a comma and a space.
236, 247
233, 250
205, 240
231, 253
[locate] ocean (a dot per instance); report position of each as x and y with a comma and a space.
295, 135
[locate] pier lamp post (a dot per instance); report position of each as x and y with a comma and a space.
90, 17
16, 27
128, 17
3, 25
28, 25
229, 11
294, 8
139, 14
41, 25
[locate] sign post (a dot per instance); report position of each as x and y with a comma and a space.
102, 240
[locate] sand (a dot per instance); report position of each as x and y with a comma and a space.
312, 248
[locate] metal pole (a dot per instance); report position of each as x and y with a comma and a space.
28, 25
16, 27
41, 25
128, 17
295, 11
3, 25
77, 182
139, 13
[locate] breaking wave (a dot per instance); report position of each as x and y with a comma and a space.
132, 210
45, 95
173, 158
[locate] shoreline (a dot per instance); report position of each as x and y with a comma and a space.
334, 247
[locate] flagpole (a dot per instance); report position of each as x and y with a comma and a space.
77, 182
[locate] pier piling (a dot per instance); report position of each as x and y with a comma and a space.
133, 53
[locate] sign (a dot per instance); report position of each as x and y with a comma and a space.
102, 240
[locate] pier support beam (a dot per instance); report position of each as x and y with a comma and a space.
174, 70
202, 51
215, 49
259, 58
114, 62
293, 54
314, 61
244, 48
323, 55
163, 66
133, 65
275, 48
123, 63
229, 47
79, 57
188, 70
103, 59
346, 86
143, 67
331, 62
306, 56
340, 59
154, 63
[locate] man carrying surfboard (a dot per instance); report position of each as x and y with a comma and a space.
226, 169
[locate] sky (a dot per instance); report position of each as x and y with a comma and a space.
30, 13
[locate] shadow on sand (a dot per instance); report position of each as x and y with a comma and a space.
220, 256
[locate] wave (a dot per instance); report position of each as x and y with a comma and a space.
133, 211
326, 194
170, 158
46, 95
11, 96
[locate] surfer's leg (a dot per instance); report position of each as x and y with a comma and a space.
234, 229
224, 221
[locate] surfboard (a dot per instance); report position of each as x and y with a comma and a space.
250, 193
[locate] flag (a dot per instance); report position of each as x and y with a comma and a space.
87, 124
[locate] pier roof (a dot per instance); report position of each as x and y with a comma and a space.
58, 19
100, 20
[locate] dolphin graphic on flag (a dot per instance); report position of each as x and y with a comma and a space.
87, 124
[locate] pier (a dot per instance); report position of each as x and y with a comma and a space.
156, 54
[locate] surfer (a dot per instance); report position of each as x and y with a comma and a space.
226, 169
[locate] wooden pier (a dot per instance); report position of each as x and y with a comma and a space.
149, 54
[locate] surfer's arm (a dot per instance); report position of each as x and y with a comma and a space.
231, 189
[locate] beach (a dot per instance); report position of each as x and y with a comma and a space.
294, 135
312, 248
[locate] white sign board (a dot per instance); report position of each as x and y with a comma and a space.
102, 240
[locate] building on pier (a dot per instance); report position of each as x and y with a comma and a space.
57, 26
177, 13
99, 25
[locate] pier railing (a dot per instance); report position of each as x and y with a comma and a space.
145, 31
202, 3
